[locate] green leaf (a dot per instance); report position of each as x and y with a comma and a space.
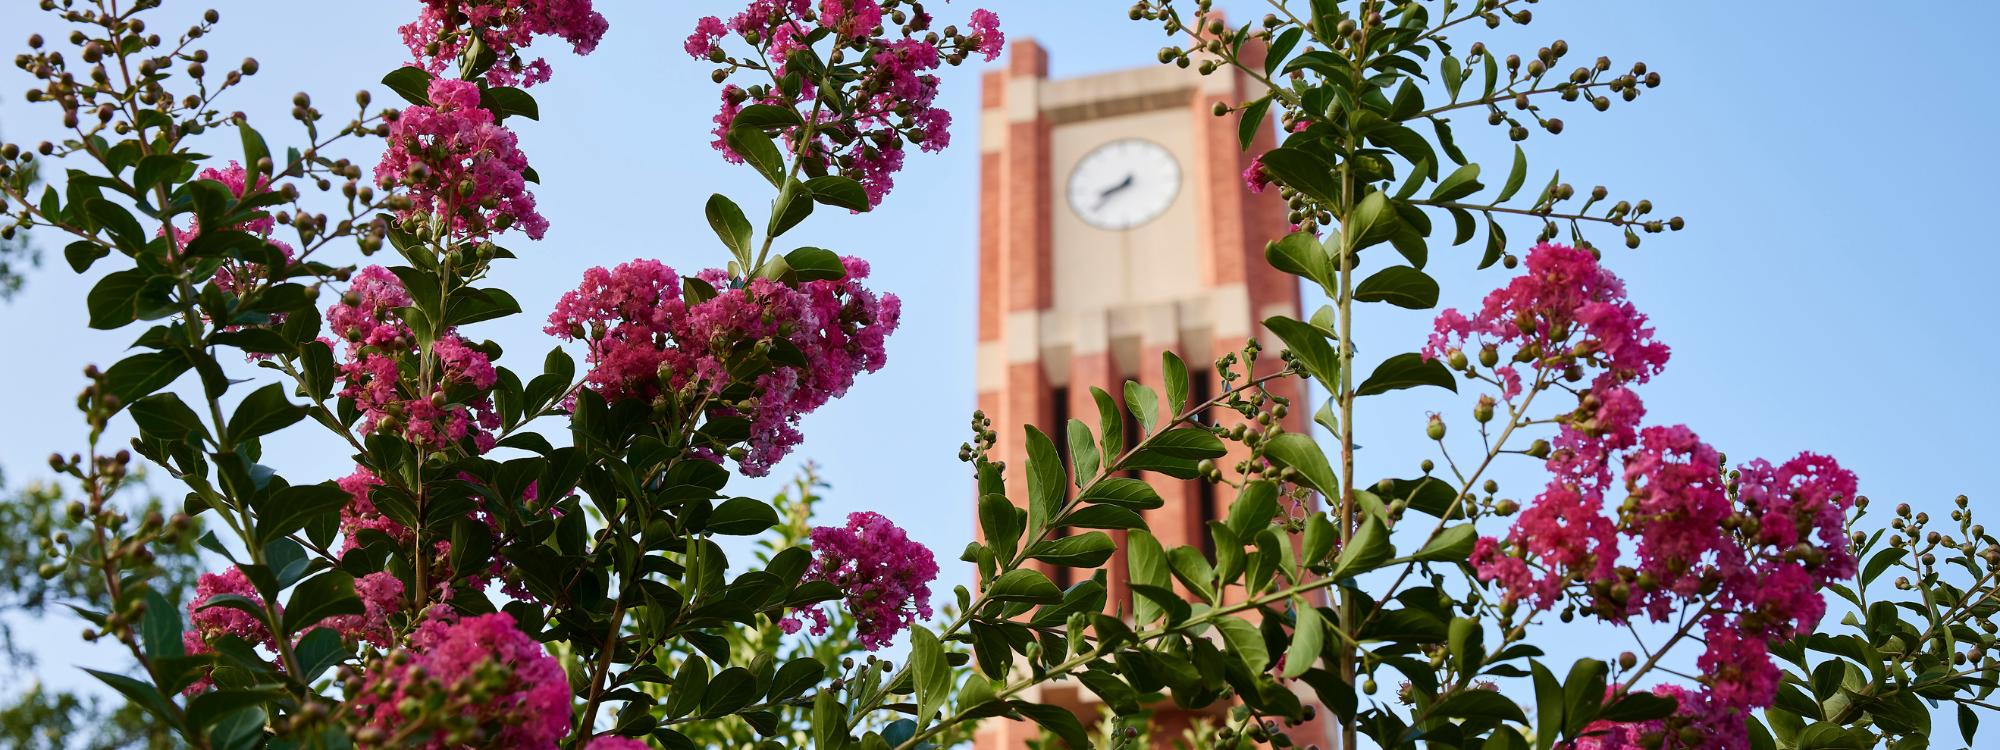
1254, 507
1368, 550
797, 676
1303, 172
767, 116
411, 83
161, 627
931, 674
1144, 405
1496, 243
139, 375
1110, 424
1280, 49
1515, 177
1407, 371
815, 264
842, 192
1245, 642
1146, 565
1300, 254
1308, 634
1045, 480
263, 412
1548, 693
163, 416
142, 694
1102, 517
1191, 568
1193, 443
1082, 452
729, 224
1081, 551
115, 300
1001, 525
757, 148
209, 708
1637, 707
124, 229
1472, 703
1373, 222
289, 509
741, 516
1460, 183
1465, 226
1123, 492
1451, 545
1583, 694
1880, 562
254, 151
1968, 723
795, 207
1175, 373
507, 101
318, 651
1318, 539
1309, 346
1055, 719
1401, 286
1250, 122
82, 253
1299, 451
1024, 585
319, 597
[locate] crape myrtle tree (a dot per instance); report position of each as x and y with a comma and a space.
474, 584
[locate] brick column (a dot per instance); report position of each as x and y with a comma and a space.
1024, 206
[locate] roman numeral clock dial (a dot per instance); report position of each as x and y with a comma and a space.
1124, 184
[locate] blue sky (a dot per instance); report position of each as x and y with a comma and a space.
1823, 297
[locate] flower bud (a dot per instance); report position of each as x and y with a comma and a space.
1436, 428
1483, 411
1539, 449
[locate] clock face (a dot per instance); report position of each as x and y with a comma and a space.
1124, 184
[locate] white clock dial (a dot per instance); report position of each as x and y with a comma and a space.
1124, 184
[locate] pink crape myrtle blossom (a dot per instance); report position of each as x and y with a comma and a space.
646, 342
382, 594
891, 104
1257, 179
884, 575
1717, 727
460, 163
379, 369
505, 27
526, 693
1565, 302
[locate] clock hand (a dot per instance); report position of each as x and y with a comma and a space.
1105, 197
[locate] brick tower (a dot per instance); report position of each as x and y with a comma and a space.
1086, 278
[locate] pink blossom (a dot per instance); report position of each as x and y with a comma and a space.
469, 162
646, 341
505, 27
381, 362
381, 593
707, 32
213, 622
851, 19
528, 695
1565, 302
986, 28
884, 575
1257, 178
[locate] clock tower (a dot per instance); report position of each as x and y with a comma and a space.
1114, 226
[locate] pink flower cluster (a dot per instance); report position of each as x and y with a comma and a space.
1718, 726
526, 692
646, 342
381, 375
460, 163
893, 100
885, 575
506, 27
1565, 303
1748, 555
382, 594
215, 622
